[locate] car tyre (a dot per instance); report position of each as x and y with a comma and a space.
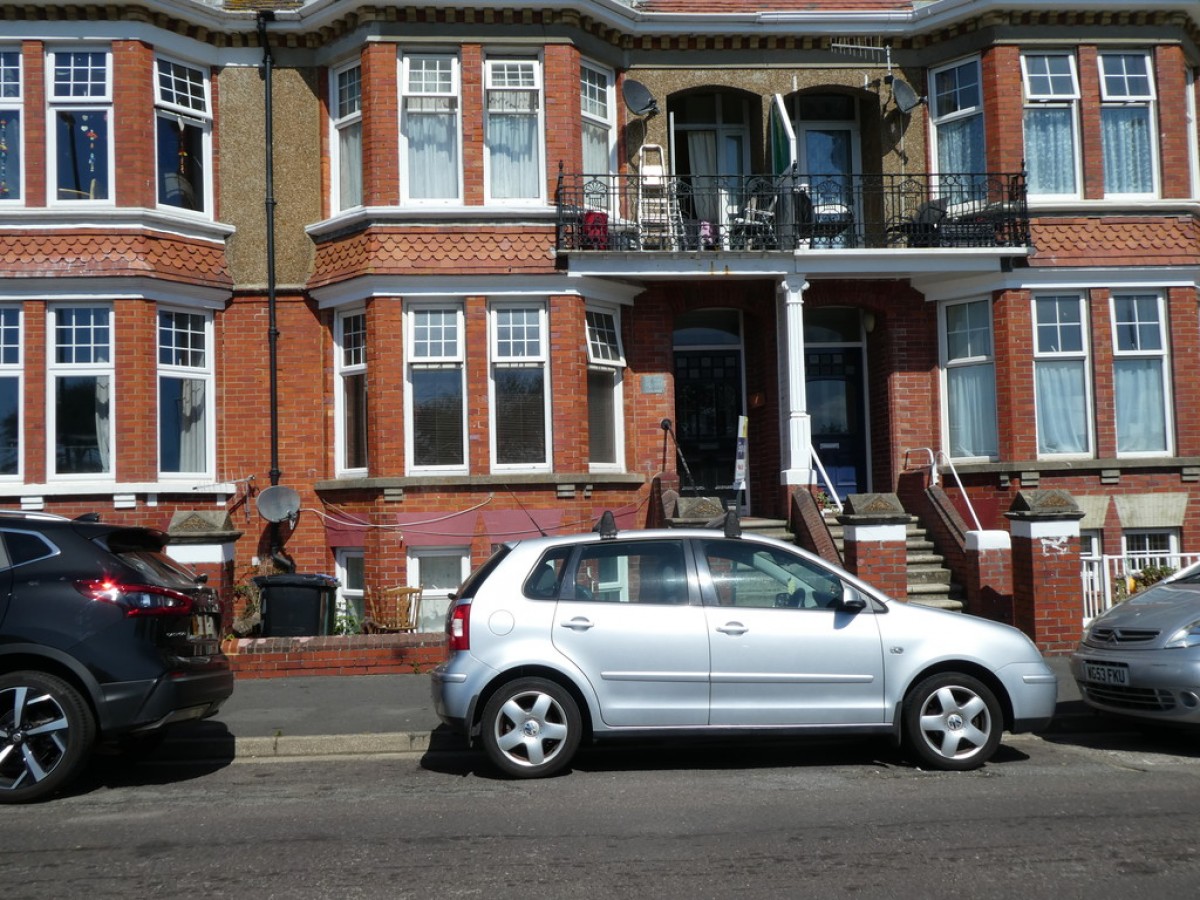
952, 721
46, 735
531, 728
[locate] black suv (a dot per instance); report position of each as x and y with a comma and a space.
102, 637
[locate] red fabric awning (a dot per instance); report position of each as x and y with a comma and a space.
430, 529
342, 532
516, 524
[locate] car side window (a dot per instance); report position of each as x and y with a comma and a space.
545, 581
633, 572
25, 547
751, 575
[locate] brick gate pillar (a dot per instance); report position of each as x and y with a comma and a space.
876, 535
1047, 584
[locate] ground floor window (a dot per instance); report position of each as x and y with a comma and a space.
349, 614
438, 573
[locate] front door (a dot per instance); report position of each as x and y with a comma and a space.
834, 365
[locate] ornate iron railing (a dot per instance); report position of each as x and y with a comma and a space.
795, 211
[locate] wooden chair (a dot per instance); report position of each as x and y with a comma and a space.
392, 610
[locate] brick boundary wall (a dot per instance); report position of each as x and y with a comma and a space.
355, 654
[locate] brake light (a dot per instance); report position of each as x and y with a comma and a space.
137, 599
458, 628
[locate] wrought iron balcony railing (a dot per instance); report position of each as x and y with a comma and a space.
791, 212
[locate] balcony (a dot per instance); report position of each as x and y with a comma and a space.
790, 213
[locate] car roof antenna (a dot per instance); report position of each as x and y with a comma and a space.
607, 526
733, 525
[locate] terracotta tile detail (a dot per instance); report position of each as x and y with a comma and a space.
1116, 241
35, 254
432, 251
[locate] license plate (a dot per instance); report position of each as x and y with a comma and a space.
1101, 673
204, 626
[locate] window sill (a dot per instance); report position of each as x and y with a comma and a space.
582, 480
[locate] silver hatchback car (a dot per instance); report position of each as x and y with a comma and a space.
688, 632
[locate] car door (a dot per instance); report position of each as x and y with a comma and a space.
784, 650
632, 622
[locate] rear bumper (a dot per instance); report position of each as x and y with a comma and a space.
174, 697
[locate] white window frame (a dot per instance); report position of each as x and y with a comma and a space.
1161, 353
453, 99
1058, 96
99, 103
12, 100
1141, 558
1055, 354
492, 67
204, 373
987, 359
957, 193
606, 355
197, 113
456, 361
434, 604
1132, 99
345, 115
540, 360
347, 362
597, 108
350, 600
12, 366
56, 370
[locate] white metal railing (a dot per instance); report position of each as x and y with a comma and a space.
1110, 579
934, 457
830, 492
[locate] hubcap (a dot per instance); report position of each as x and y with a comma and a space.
530, 729
33, 736
955, 722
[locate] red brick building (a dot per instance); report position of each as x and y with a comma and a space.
502, 267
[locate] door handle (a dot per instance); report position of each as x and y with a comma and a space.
579, 623
734, 628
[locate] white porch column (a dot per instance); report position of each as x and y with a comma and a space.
798, 428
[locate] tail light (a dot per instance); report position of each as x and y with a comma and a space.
458, 627
137, 599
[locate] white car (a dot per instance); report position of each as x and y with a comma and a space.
701, 632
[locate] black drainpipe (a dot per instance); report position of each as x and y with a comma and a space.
268, 63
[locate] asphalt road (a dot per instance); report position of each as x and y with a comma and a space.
1070, 815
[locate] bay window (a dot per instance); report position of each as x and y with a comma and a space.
185, 390
606, 368
11, 137
430, 127
1061, 375
436, 421
183, 125
956, 109
596, 109
520, 393
1127, 124
1051, 116
970, 378
80, 370
1140, 374
11, 381
80, 137
346, 145
513, 130
351, 367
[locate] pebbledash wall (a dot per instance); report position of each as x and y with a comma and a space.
137, 255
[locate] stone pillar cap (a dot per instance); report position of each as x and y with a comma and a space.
1045, 505
873, 509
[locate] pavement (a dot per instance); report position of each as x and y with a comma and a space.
328, 715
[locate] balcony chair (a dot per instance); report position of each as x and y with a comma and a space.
753, 228
922, 228
393, 610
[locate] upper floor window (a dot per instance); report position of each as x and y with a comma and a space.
80, 115
1051, 116
1127, 123
10, 390
1140, 373
436, 408
606, 367
351, 349
184, 135
80, 370
11, 109
185, 390
513, 129
430, 128
347, 137
596, 109
520, 392
956, 109
970, 379
1061, 375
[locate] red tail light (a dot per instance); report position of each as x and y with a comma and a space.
458, 628
137, 599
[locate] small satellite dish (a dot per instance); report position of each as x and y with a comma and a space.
638, 98
277, 503
906, 98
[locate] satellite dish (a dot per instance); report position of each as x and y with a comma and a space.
638, 98
277, 503
906, 98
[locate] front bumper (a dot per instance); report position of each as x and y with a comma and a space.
1163, 685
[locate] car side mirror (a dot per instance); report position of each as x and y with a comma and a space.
852, 600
